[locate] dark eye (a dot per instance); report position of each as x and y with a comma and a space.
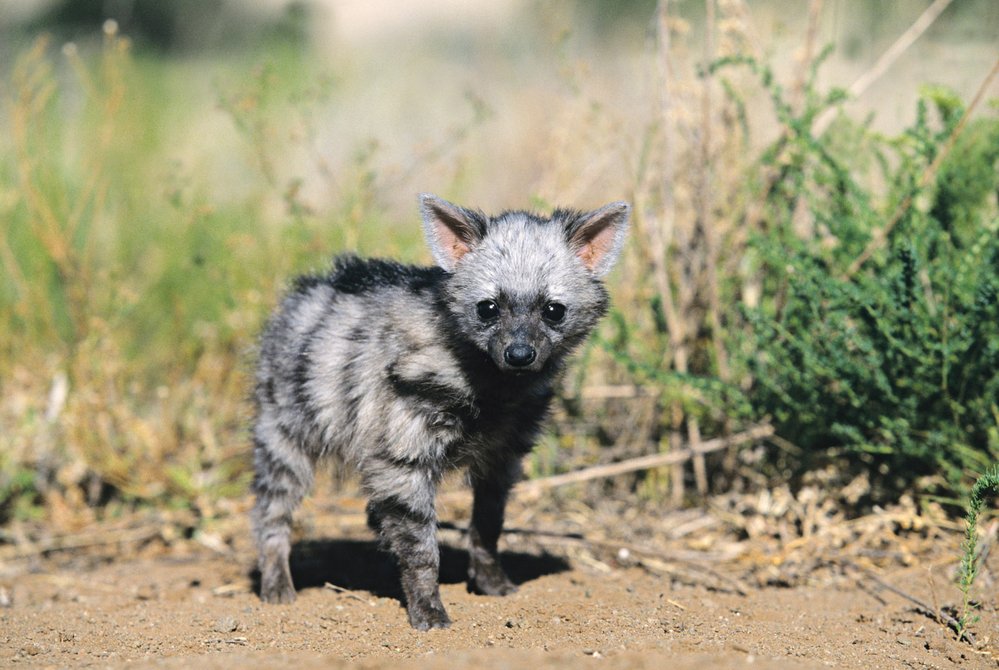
553, 312
487, 310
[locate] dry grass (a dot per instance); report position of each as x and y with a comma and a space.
144, 239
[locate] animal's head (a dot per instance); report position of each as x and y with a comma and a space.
525, 289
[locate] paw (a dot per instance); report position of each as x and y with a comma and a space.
490, 580
277, 589
427, 616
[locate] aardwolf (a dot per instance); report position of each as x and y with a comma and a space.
407, 372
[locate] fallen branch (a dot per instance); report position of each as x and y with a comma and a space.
535, 486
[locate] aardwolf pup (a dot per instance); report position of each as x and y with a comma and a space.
406, 372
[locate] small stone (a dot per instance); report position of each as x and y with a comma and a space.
31, 649
145, 592
226, 625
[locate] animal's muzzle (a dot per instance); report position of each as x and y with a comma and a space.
519, 355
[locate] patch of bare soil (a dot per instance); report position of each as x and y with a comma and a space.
611, 588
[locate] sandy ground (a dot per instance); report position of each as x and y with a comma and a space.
195, 608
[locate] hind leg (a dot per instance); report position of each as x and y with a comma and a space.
283, 475
490, 490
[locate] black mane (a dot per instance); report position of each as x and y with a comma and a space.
352, 275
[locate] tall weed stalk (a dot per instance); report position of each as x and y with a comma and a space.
987, 484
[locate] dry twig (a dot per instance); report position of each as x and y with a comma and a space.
347, 592
673, 457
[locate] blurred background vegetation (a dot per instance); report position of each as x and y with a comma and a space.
815, 239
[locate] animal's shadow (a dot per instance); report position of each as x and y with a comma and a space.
361, 565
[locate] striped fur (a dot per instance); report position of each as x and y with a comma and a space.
407, 372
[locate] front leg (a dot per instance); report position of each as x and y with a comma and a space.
490, 487
403, 513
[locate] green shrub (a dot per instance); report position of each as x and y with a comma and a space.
895, 361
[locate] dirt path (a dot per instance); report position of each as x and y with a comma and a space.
196, 609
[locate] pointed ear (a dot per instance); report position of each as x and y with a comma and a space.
597, 237
451, 231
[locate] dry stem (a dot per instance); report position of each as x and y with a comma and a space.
887, 59
658, 239
808, 53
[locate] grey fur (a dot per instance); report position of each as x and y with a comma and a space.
394, 370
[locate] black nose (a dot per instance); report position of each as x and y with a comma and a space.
519, 355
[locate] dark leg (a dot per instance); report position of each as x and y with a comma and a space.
404, 515
490, 490
283, 476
